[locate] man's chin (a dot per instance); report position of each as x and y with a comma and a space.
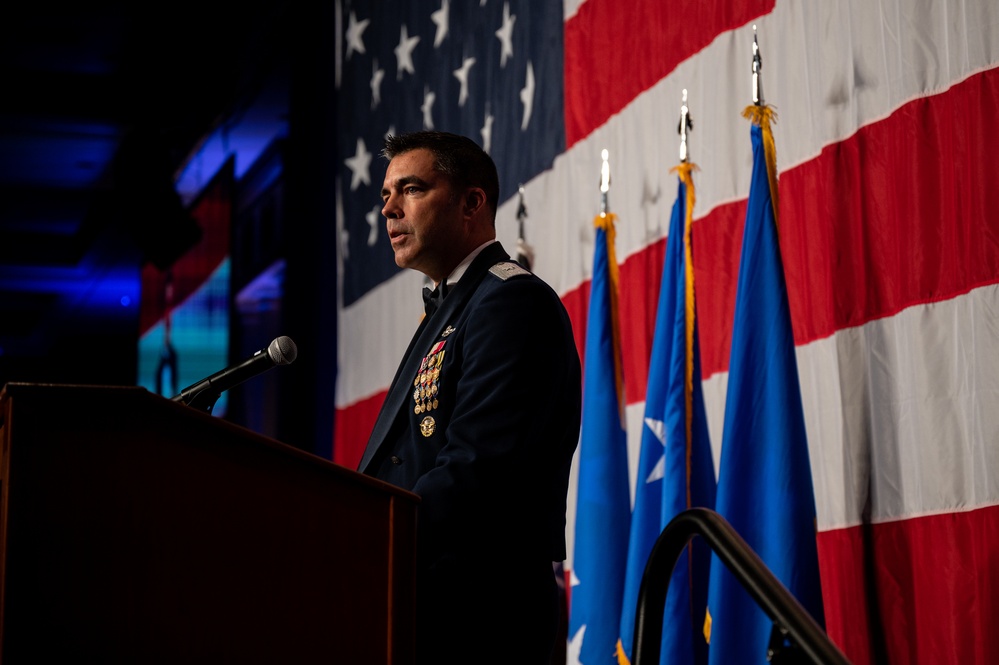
402, 260
411, 260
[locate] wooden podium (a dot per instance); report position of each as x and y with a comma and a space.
135, 529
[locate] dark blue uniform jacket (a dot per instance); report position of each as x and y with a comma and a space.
481, 422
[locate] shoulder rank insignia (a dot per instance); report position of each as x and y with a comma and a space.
507, 269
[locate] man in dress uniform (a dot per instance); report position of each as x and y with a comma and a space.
483, 414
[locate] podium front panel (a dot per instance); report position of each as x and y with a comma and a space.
134, 529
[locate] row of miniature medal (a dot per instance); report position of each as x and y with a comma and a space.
426, 383
426, 386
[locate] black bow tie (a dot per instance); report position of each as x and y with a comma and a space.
432, 298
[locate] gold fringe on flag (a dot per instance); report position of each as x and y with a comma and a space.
685, 173
606, 221
763, 117
622, 657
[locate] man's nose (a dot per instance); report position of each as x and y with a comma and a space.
391, 210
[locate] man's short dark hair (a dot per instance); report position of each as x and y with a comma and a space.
456, 157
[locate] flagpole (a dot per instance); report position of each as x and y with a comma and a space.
521, 212
604, 181
764, 116
686, 125
525, 253
757, 71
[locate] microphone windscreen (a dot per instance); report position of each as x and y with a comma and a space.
282, 351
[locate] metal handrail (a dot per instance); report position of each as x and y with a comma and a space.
773, 597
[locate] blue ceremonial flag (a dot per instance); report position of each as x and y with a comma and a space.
603, 507
764, 480
675, 469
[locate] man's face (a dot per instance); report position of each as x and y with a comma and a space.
423, 215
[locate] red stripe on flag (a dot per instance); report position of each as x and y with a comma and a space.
638, 315
932, 579
911, 220
577, 303
352, 427
612, 56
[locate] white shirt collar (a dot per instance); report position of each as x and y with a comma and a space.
456, 274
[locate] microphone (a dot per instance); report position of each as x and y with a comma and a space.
203, 394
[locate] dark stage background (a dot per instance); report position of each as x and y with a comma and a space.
174, 161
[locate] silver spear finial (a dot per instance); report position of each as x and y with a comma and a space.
686, 125
604, 181
757, 71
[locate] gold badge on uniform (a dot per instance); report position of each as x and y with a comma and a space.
427, 426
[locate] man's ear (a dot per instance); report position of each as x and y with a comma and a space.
475, 200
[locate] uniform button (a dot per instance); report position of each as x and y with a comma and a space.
395, 460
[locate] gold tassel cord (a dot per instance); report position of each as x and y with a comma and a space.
622, 657
685, 173
763, 117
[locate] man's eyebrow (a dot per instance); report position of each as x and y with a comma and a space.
411, 180
406, 180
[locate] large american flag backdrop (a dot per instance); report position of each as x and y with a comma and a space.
887, 134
